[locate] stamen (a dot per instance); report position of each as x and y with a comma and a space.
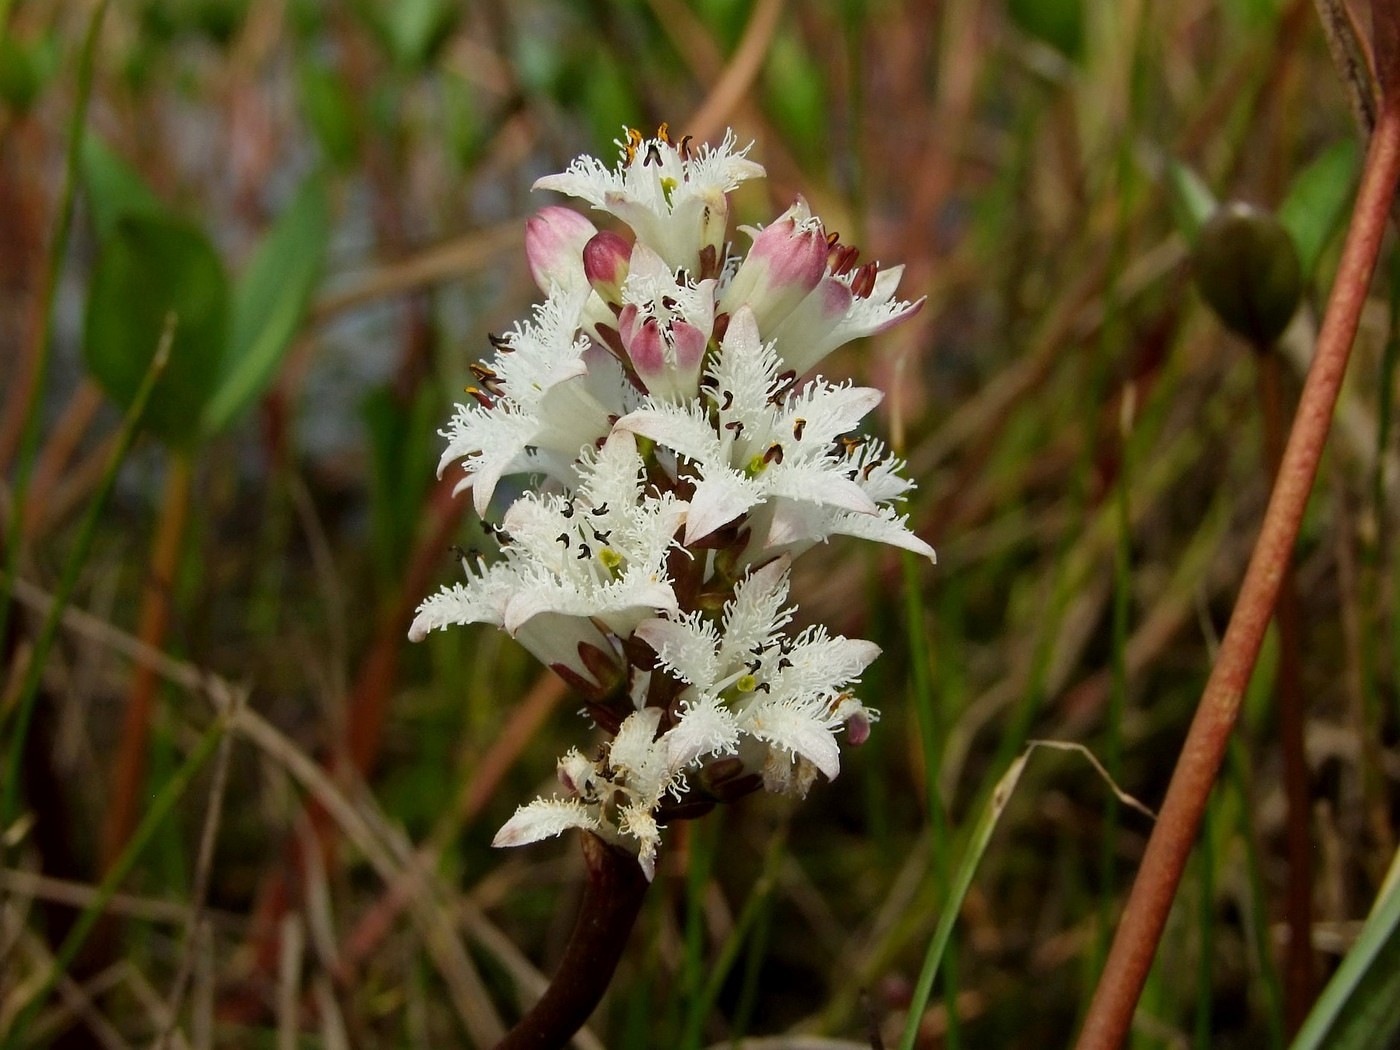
684, 148
774, 453
864, 281
798, 425
663, 132
500, 342
482, 397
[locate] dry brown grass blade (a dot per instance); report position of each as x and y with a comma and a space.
738, 77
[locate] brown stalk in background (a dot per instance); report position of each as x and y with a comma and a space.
1135, 943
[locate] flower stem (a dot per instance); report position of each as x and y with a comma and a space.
1130, 958
611, 902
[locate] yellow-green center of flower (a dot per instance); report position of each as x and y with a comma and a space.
746, 684
612, 561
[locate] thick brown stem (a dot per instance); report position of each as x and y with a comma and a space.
611, 901
1135, 943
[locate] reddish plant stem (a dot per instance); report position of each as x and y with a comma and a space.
1298, 962
611, 901
129, 769
1135, 943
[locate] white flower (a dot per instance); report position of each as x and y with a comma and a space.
751, 685
573, 564
615, 797
762, 443
673, 196
846, 304
545, 395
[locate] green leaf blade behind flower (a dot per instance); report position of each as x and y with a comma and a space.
270, 301
1357, 1011
1316, 203
114, 188
149, 266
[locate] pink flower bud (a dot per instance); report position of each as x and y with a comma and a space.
605, 263
787, 260
554, 241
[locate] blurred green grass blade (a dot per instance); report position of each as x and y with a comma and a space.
114, 188
962, 881
1357, 1010
1059, 23
161, 805
269, 303
1192, 203
151, 266
757, 902
1316, 203
77, 558
29, 428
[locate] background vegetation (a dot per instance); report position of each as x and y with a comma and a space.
240, 810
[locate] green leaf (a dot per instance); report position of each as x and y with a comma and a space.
114, 188
325, 102
1192, 202
1316, 203
1059, 23
795, 95
26, 67
1356, 1010
415, 30
270, 302
152, 265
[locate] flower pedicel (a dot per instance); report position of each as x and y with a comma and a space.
664, 391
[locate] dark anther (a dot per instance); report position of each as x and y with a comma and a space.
482, 397
864, 281
735, 425
728, 401
685, 147
584, 551
798, 425
563, 538
774, 453
602, 535
568, 510
784, 663
501, 343
599, 510
653, 155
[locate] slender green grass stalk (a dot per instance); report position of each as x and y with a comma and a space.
931, 741
1205, 946
87, 532
1118, 689
756, 905
1268, 985
753, 969
58, 249
170, 793
975, 846
704, 836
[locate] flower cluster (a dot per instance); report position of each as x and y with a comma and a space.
663, 399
